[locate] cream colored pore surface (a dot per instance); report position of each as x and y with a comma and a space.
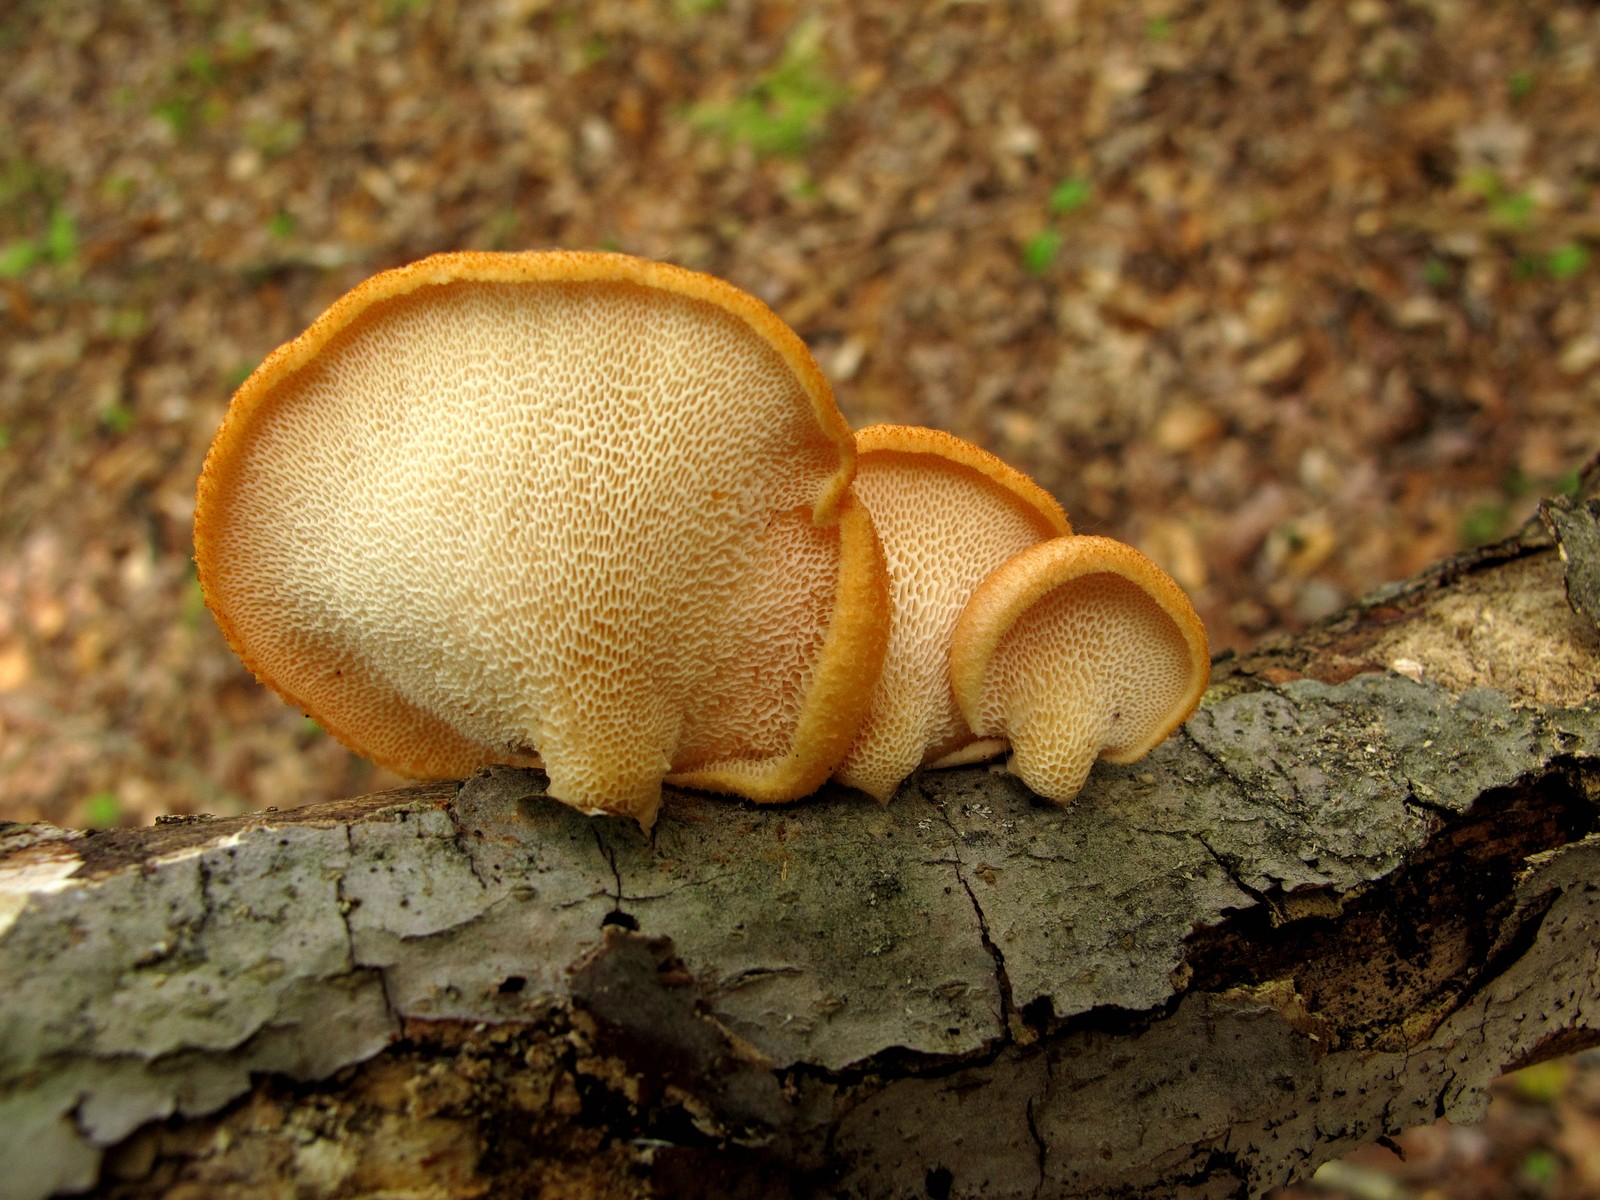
527, 508
1094, 668
781, 619
944, 528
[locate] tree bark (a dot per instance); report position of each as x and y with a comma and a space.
1359, 884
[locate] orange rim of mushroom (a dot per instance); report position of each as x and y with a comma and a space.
403, 737
1021, 582
840, 692
942, 447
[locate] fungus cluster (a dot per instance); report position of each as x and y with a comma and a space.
602, 515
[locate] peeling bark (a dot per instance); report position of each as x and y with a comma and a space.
1363, 881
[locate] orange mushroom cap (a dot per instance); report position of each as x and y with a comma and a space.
948, 514
1075, 649
503, 507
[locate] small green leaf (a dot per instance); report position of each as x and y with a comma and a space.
1543, 1083
61, 238
126, 323
1482, 523
194, 606
177, 113
1070, 195
202, 66
1568, 261
281, 225
1515, 210
1039, 252
275, 138
1158, 29
102, 810
236, 375
1434, 272
1519, 83
1540, 1168
17, 257
117, 419
787, 109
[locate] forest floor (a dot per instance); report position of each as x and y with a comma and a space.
1297, 297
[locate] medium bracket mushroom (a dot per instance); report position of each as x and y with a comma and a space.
948, 514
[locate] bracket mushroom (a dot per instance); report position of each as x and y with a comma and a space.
519, 508
948, 513
1076, 649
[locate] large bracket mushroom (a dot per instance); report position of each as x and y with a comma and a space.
508, 508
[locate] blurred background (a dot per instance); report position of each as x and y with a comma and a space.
1295, 295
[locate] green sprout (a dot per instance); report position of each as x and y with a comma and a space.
275, 138
1070, 195
61, 238
1568, 261
1541, 1168
16, 257
125, 324
1542, 1083
785, 111
177, 113
1513, 209
1039, 252
1482, 523
102, 810
193, 610
117, 419
58, 244
202, 67
237, 374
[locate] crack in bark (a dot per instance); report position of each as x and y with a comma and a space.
1038, 1139
1246, 790
684, 886
1002, 979
1231, 871
462, 843
344, 906
610, 856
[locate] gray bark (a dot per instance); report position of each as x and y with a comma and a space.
1357, 886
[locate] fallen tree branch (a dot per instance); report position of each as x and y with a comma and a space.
1361, 883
